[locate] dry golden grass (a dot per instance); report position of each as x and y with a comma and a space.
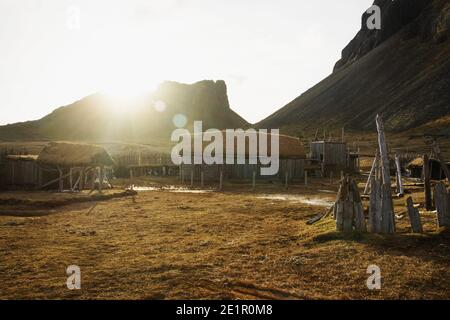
165, 245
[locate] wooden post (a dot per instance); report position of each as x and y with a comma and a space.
254, 180
358, 209
221, 179
414, 216
427, 182
331, 176
375, 206
71, 179
202, 177
94, 175
82, 178
286, 183
306, 178
192, 174
444, 167
387, 205
400, 190
343, 134
39, 177
131, 179
101, 178
61, 180
442, 200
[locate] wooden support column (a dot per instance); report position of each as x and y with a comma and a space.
82, 179
400, 190
427, 182
60, 180
254, 180
192, 174
414, 216
286, 182
101, 178
387, 205
306, 178
375, 206
221, 178
131, 179
202, 177
71, 179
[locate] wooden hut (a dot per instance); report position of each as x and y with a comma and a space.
292, 159
334, 157
77, 166
415, 168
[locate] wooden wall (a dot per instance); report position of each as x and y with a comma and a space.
294, 167
20, 173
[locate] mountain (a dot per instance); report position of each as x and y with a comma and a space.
401, 72
102, 118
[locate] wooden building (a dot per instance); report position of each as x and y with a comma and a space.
334, 157
71, 166
292, 160
415, 168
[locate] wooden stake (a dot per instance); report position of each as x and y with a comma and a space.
254, 181
82, 178
61, 180
414, 216
371, 175
71, 179
286, 184
387, 205
100, 178
202, 177
221, 179
427, 183
375, 206
400, 190
131, 179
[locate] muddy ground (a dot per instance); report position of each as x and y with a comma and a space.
235, 244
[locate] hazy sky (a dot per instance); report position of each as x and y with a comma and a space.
268, 51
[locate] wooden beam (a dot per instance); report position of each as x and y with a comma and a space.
221, 178
371, 174
100, 179
427, 182
400, 189
387, 205
254, 180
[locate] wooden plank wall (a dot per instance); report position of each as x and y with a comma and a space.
21, 173
295, 168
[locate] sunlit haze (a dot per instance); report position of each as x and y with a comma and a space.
268, 52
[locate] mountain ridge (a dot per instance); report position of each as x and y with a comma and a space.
403, 77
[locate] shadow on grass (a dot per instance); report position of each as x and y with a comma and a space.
427, 245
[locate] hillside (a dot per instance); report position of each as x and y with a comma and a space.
401, 72
102, 118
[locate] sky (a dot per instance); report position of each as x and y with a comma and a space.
55, 52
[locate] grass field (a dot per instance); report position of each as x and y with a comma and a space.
235, 244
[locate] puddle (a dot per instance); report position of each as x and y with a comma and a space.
170, 189
298, 199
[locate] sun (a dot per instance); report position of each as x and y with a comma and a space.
127, 94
